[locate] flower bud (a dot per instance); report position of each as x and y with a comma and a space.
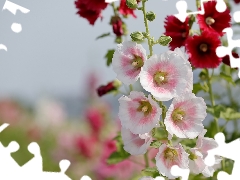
164, 40
110, 87
137, 36
132, 4
150, 16
117, 26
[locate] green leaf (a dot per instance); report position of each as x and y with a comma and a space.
216, 110
230, 114
227, 78
103, 35
151, 171
109, 56
200, 87
196, 88
155, 144
117, 157
161, 134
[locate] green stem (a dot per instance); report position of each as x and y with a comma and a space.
131, 87
209, 82
146, 26
114, 9
146, 159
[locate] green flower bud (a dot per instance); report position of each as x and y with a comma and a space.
137, 36
117, 84
164, 40
132, 4
150, 16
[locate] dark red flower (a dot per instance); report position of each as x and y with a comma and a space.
212, 20
226, 59
202, 50
125, 10
90, 9
102, 90
117, 26
177, 30
95, 119
237, 1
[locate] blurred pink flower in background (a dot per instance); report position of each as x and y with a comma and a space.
10, 111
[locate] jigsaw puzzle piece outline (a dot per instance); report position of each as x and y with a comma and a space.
182, 6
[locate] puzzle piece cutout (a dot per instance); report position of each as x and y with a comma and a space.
222, 51
179, 172
228, 150
33, 169
182, 9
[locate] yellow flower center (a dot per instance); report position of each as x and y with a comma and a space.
145, 107
178, 115
137, 62
170, 154
160, 78
209, 21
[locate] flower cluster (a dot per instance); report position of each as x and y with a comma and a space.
165, 76
201, 47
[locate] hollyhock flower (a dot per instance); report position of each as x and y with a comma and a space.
167, 75
90, 9
204, 143
125, 10
117, 26
128, 60
226, 59
202, 50
185, 115
237, 1
177, 30
138, 113
170, 156
95, 119
212, 20
196, 162
135, 144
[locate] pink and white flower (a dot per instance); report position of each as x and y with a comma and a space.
167, 75
138, 113
128, 61
135, 144
185, 115
196, 162
204, 143
170, 156
197, 155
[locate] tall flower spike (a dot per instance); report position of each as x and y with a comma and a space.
135, 144
138, 113
185, 115
167, 75
170, 156
128, 60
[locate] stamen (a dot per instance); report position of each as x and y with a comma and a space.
184, 34
144, 109
203, 47
209, 21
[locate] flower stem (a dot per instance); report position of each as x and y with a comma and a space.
146, 159
114, 8
146, 26
209, 83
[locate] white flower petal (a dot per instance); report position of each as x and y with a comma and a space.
133, 143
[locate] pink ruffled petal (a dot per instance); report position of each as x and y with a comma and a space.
135, 144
